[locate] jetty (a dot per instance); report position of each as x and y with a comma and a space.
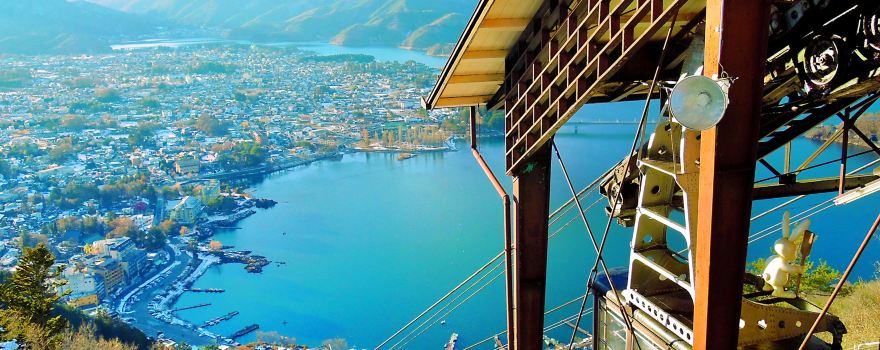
191, 307
217, 320
234, 218
244, 331
253, 263
452, 340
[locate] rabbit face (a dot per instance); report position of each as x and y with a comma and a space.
785, 249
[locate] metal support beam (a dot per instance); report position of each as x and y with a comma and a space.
812, 186
727, 169
531, 192
844, 148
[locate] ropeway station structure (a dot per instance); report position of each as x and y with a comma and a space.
776, 70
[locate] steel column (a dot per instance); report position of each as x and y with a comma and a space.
531, 193
727, 169
844, 147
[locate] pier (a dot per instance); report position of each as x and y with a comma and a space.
452, 340
190, 307
245, 331
206, 290
217, 320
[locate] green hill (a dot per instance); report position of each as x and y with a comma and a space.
437, 37
416, 24
60, 26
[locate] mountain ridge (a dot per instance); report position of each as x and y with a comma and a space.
61, 26
411, 24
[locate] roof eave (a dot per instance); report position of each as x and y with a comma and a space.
455, 57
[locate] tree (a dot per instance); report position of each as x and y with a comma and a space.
167, 226
123, 226
154, 239
107, 95
73, 122
29, 296
6, 169
335, 344
142, 134
84, 339
210, 125
243, 154
817, 278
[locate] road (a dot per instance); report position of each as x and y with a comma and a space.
151, 326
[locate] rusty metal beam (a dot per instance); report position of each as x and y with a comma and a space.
796, 128
727, 169
811, 186
844, 148
531, 193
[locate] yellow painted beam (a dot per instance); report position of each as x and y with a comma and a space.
461, 101
505, 23
476, 78
484, 54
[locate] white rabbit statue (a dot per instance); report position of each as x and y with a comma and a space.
781, 265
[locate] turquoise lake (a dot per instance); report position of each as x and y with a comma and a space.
371, 241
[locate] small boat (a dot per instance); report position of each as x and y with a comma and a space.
405, 156
443, 322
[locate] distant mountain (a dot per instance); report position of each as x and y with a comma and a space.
415, 24
61, 26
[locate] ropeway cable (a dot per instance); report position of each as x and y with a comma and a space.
558, 213
599, 247
444, 297
548, 328
417, 328
429, 319
769, 230
453, 309
616, 198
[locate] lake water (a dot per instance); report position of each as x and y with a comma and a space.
371, 241
321, 48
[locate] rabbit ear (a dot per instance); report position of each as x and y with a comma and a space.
786, 224
801, 228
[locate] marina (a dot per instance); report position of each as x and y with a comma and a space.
217, 320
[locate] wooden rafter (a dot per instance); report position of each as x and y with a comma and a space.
570, 66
